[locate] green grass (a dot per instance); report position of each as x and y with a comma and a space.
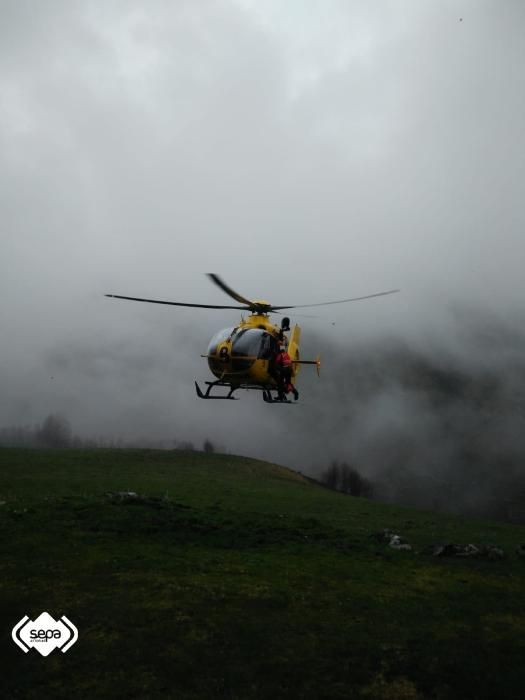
240, 579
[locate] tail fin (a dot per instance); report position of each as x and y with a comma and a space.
293, 348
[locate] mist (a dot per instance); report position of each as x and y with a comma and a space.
436, 421
439, 425
305, 155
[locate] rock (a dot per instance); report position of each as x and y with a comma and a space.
454, 550
396, 543
133, 498
467, 550
443, 550
123, 496
394, 540
487, 551
492, 552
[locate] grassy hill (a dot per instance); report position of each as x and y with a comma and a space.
233, 578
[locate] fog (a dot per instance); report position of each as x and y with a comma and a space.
305, 153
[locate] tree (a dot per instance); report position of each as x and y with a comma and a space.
343, 477
208, 447
330, 476
55, 432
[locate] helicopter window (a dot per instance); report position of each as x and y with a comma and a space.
248, 342
268, 347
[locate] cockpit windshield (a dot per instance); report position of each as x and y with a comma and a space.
253, 343
247, 342
219, 338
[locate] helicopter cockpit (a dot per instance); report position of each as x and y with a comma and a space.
241, 346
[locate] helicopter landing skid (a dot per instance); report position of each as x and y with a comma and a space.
207, 394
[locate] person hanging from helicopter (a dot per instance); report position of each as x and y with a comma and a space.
282, 366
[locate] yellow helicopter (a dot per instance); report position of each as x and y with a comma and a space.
247, 356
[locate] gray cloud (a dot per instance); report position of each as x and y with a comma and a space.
304, 153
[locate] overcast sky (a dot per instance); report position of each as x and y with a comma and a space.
305, 151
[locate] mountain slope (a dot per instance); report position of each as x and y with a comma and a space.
229, 577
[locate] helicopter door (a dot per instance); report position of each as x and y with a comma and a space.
268, 348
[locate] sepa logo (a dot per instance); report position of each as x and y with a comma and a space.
45, 634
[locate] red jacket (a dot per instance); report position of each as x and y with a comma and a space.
283, 359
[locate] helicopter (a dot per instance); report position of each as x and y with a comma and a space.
244, 356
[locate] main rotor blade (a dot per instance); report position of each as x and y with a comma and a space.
340, 301
178, 303
229, 291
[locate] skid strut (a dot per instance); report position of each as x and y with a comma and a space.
211, 385
267, 394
